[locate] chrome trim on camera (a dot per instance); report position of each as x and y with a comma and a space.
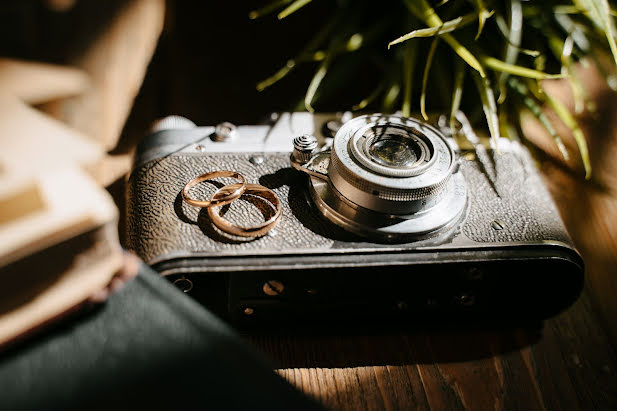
364, 199
440, 215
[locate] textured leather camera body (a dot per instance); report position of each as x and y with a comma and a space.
509, 256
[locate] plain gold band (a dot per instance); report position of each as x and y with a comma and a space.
220, 200
254, 231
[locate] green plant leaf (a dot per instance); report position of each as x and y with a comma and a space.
307, 54
488, 106
354, 42
483, 13
512, 33
457, 93
282, 72
390, 97
315, 82
427, 68
600, 13
566, 9
498, 65
513, 36
569, 120
511, 130
371, 97
537, 112
446, 27
578, 91
425, 12
268, 8
292, 8
409, 59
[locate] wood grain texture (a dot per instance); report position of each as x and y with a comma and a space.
566, 363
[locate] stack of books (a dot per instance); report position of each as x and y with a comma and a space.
58, 227
59, 247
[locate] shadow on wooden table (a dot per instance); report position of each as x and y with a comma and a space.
568, 363
419, 346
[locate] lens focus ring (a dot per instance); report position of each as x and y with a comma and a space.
390, 164
385, 192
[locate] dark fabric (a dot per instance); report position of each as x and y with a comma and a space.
148, 347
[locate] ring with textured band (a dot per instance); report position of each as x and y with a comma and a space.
254, 231
221, 200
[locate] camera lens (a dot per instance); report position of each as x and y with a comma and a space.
390, 164
393, 151
389, 178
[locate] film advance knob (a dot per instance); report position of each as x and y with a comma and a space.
304, 146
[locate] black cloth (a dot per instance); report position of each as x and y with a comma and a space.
148, 347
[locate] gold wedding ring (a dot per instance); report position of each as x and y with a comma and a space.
251, 189
226, 198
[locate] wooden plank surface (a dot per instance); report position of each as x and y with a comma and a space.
566, 363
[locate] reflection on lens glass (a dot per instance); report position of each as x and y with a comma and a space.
393, 151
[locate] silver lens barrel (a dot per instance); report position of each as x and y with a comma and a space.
390, 164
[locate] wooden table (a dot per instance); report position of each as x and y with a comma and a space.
566, 363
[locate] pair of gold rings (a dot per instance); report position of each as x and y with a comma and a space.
230, 193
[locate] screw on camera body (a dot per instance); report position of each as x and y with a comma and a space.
465, 299
273, 288
402, 306
184, 284
256, 160
223, 132
497, 225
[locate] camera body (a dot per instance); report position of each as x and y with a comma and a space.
481, 238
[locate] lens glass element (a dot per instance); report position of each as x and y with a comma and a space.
394, 151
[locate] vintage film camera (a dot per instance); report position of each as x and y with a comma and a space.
383, 217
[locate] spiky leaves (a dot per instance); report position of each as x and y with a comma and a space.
508, 48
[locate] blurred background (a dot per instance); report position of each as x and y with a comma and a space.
207, 63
